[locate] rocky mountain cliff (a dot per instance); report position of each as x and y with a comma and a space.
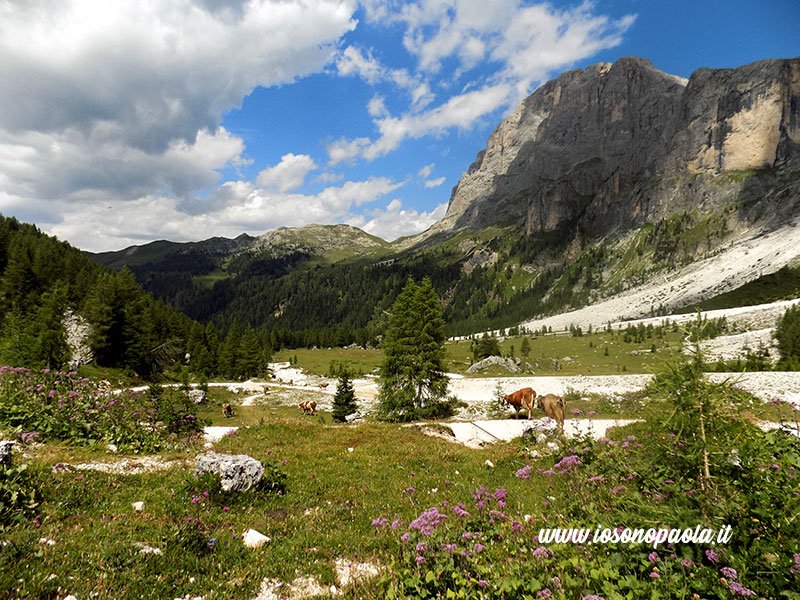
617, 145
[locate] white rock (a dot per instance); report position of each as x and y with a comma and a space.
351, 449
552, 445
70, 597
144, 549
111, 447
47, 541
489, 464
348, 572
237, 473
254, 539
138, 506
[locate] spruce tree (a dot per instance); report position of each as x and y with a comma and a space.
412, 379
344, 402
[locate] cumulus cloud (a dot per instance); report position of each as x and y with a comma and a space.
394, 221
237, 206
289, 174
522, 44
434, 183
114, 102
426, 171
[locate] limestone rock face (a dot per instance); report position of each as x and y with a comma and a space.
621, 144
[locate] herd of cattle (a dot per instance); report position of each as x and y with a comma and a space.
525, 399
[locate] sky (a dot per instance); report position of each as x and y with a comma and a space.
131, 121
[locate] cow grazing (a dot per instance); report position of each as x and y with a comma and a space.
322, 386
521, 399
554, 407
227, 410
309, 407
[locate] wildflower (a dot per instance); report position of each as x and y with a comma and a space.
420, 560
544, 593
591, 413
449, 547
405, 536
541, 552
212, 542
712, 556
409, 490
739, 589
420, 548
395, 524
466, 535
577, 411
483, 583
459, 510
618, 490
205, 494
655, 575
795, 568
593, 597
516, 526
380, 522
478, 547
598, 478
195, 499
729, 572
524, 472
567, 464
500, 494
285, 462
427, 521
226, 508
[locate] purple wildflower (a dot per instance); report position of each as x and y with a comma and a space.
420, 548
729, 572
478, 547
500, 494
567, 464
524, 472
655, 575
226, 508
795, 568
427, 521
653, 557
420, 560
712, 556
449, 547
598, 478
687, 563
380, 522
459, 510
544, 593
409, 490
739, 589
405, 536
593, 597
483, 583
618, 490
395, 524
541, 552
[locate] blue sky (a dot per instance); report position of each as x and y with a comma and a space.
127, 122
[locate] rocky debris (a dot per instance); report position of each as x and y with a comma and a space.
489, 361
348, 572
732, 347
145, 464
138, 506
302, 587
145, 549
254, 539
480, 258
540, 430
78, 330
6, 448
237, 472
197, 396
353, 418
213, 434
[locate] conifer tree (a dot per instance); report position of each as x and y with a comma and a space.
344, 402
412, 379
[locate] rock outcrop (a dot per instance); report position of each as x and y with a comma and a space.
237, 473
622, 144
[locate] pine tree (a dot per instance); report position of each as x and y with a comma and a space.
413, 382
344, 402
525, 348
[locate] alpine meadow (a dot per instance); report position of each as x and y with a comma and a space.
251, 349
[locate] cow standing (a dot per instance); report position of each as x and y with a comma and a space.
554, 407
521, 399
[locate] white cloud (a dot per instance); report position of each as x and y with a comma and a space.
235, 206
353, 62
521, 44
377, 107
394, 221
426, 171
289, 174
434, 183
120, 101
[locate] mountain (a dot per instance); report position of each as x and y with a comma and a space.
604, 179
620, 145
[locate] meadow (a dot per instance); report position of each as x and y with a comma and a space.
435, 517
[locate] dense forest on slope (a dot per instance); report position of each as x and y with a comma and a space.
42, 278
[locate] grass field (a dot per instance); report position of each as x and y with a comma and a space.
557, 354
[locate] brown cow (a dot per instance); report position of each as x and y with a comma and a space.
554, 407
227, 410
521, 399
309, 407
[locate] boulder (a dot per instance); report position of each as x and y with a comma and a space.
353, 418
487, 362
6, 447
197, 396
254, 539
237, 472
